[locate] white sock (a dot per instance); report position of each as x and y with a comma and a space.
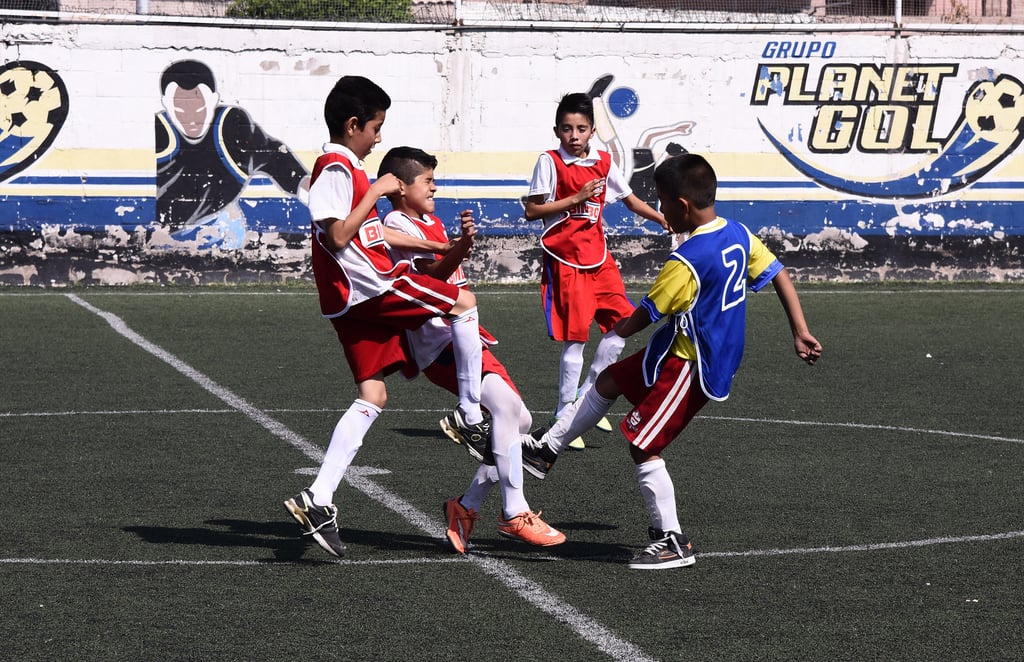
506, 406
659, 495
607, 353
345, 442
485, 478
576, 419
468, 349
571, 367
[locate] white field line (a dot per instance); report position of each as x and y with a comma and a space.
587, 628
742, 419
235, 563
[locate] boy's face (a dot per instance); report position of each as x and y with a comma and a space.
418, 197
362, 139
676, 211
574, 131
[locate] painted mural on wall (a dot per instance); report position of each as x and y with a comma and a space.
206, 154
851, 158
33, 107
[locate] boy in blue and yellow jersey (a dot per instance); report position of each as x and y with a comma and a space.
700, 294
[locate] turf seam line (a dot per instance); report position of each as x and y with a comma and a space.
531, 591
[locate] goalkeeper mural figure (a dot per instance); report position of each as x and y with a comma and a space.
206, 154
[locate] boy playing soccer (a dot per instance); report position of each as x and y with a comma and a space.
700, 292
580, 282
370, 299
500, 453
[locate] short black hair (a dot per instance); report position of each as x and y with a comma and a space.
353, 96
576, 102
188, 74
406, 163
687, 176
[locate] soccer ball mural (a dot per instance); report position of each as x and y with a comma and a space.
33, 107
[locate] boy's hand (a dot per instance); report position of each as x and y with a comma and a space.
468, 224
807, 347
590, 189
385, 185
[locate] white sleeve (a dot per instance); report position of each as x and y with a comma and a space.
330, 196
543, 180
616, 187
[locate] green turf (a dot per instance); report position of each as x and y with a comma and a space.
142, 514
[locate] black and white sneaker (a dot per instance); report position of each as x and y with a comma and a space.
668, 549
476, 438
538, 458
321, 522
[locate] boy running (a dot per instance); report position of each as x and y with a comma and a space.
692, 358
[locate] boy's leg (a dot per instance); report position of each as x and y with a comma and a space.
505, 405
659, 494
570, 368
466, 343
582, 415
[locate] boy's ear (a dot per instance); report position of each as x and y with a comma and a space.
351, 125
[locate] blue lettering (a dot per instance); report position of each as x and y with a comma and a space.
799, 50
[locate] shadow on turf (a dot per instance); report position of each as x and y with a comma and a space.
287, 545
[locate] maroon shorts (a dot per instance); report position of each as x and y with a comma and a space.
372, 333
575, 298
661, 411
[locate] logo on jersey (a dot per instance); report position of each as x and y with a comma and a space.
888, 109
371, 233
588, 210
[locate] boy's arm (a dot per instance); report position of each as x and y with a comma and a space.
807, 347
342, 231
457, 252
638, 321
407, 242
641, 208
537, 209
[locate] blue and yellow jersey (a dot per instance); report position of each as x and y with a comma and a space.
703, 289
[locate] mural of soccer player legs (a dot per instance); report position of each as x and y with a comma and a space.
622, 103
206, 154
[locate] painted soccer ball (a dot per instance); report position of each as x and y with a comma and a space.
33, 105
995, 109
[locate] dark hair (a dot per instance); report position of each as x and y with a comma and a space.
576, 102
406, 163
687, 176
353, 96
188, 74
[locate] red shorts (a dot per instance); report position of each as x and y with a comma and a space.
372, 333
574, 298
442, 370
660, 412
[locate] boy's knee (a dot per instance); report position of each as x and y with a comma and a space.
465, 301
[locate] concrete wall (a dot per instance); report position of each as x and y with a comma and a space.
855, 156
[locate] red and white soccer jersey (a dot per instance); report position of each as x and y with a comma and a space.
363, 268
580, 282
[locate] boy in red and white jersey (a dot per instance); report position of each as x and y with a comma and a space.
370, 299
580, 282
431, 346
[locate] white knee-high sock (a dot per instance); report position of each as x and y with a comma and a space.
345, 442
607, 353
570, 369
485, 478
505, 406
468, 349
659, 494
576, 419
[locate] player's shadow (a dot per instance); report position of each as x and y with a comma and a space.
570, 550
283, 538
